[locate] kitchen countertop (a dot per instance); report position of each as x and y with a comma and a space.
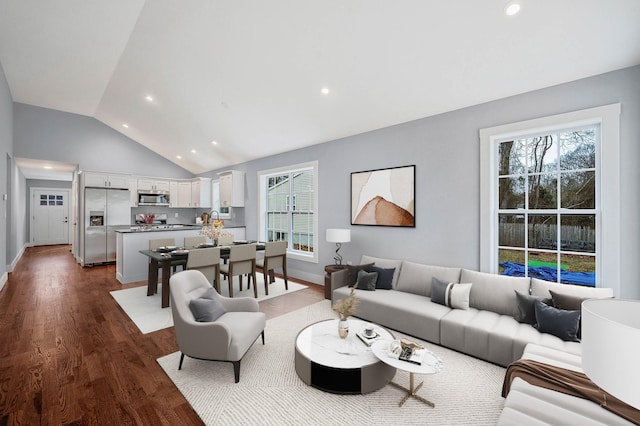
158, 227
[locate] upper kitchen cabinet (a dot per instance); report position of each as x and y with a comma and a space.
201, 192
231, 188
105, 180
153, 185
173, 193
194, 193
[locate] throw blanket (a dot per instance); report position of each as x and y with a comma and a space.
568, 382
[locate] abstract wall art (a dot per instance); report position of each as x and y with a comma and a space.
384, 197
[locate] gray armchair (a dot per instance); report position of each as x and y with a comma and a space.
227, 338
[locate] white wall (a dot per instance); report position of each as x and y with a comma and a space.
6, 154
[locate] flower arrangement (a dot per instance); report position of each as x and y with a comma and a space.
346, 307
215, 230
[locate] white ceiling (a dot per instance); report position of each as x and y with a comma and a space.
248, 73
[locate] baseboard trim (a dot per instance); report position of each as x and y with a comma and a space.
15, 261
3, 280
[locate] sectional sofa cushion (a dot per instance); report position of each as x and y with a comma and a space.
541, 288
385, 277
417, 278
493, 292
384, 263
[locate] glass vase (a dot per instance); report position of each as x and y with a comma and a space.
343, 328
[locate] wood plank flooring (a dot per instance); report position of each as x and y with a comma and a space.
70, 356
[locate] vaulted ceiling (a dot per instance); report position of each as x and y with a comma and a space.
176, 76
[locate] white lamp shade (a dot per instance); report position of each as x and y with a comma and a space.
611, 346
338, 235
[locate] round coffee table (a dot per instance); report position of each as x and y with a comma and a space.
430, 365
329, 363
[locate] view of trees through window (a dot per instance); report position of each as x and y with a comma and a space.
290, 209
547, 195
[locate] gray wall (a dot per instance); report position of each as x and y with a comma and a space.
6, 154
46, 134
446, 151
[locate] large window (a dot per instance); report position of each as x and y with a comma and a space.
547, 216
288, 208
550, 200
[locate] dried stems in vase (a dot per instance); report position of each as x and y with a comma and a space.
346, 307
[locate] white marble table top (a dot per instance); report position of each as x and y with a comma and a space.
321, 344
430, 365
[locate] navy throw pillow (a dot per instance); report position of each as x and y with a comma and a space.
385, 277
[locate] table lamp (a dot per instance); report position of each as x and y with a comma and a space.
611, 346
338, 236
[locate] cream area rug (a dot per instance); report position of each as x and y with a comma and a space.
466, 392
148, 315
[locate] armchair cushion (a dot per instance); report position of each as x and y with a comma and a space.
206, 308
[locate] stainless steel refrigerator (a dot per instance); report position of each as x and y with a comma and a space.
105, 210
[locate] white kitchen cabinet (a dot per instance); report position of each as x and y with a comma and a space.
133, 191
105, 180
231, 188
173, 193
201, 192
184, 193
153, 185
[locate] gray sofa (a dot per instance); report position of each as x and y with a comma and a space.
486, 330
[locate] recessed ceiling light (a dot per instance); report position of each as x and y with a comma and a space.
214, 142
149, 98
125, 125
48, 167
512, 8
193, 151
325, 90
179, 157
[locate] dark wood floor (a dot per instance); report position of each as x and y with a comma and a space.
70, 355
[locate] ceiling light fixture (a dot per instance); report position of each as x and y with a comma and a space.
512, 8
325, 90
179, 157
125, 125
149, 98
193, 151
214, 143
48, 167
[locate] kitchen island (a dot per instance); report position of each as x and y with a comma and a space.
132, 266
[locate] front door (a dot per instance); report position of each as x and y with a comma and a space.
49, 216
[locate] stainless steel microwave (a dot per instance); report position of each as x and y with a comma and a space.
155, 198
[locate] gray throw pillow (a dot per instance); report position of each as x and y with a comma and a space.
385, 277
560, 323
207, 308
353, 271
526, 312
367, 280
438, 290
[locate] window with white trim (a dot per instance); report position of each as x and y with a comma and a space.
550, 200
288, 199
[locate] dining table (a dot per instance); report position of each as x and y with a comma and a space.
162, 257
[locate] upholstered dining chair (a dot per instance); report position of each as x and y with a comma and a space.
190, 242
226, 337
207, 261
275, 256
225, 240
163, 242
242, 261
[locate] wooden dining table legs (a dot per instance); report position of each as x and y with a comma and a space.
152, 283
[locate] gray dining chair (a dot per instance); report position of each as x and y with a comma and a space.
226, 338
275, 256
207, 261
242, 261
